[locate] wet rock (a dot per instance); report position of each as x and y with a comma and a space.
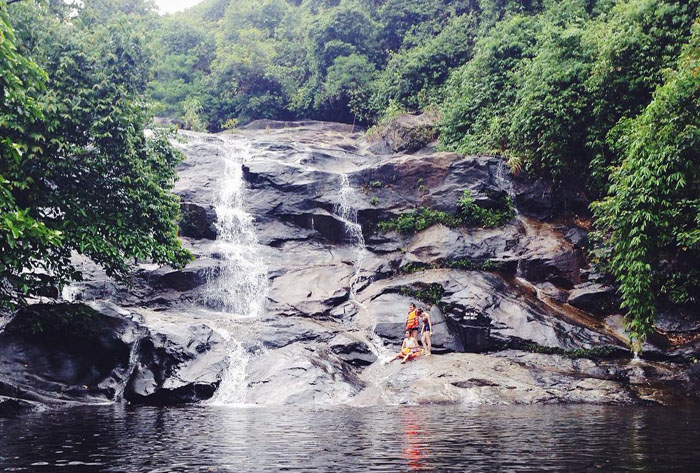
355, 352
577, 236
556, 264
66, 352
280, 333
472, 328
508, 287
197, 221
554, 292
177, 364
534, 198
300, 375
405, 134
595, 298
312, 291
12, 407
487, 307
190, 277
265, 124
506, 378
517, 316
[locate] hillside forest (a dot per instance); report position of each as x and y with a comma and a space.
598, 98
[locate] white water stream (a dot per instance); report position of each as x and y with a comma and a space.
347, 213
239, 288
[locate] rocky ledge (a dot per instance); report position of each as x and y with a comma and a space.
519, 315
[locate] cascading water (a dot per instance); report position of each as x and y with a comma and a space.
131, 366
347, 213
239, 286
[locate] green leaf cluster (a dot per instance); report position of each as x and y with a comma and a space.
78, 172
431, 293
469, 214
649, 223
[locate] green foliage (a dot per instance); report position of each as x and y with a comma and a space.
481, 94
469, 214
650, 220
597, 352
77, 172
347, 82
467, 264
25, 240
278, 59
412, 76
473, 214
193, 115
418, 220
431, 293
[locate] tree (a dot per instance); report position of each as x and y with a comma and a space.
78, 171
348, 82
480, 95
30, 251
650, 221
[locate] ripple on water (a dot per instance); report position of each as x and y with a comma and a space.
425, 438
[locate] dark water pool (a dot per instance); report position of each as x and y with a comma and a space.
428, 438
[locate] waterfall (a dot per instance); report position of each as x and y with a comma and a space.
130, 368
348, 215
239, 286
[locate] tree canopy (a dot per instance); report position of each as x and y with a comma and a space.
78, 172
594, 96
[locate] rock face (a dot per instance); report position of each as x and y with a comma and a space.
92, 354
338, 290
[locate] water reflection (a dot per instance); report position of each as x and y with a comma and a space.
412, 439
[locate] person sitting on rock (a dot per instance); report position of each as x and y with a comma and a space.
409, 349
413, 320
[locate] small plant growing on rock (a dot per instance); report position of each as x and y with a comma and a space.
230, 124
431, 294
469, 213
374, 201
473, 214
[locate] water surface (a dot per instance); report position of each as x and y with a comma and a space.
426, 438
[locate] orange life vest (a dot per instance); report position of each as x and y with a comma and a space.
412, 320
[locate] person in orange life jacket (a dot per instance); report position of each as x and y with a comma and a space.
413, 320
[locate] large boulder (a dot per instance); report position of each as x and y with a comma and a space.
300, 374
63, 353
404, 134
483, 311
197, 221
11, 407
177, 364
67, 352
595, 298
